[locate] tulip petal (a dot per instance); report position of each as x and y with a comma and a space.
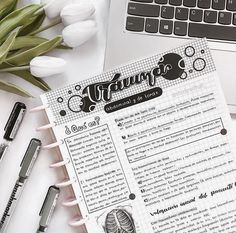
53, 8
78, 33
74, 13
45, 66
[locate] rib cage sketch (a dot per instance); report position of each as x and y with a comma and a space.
119, 221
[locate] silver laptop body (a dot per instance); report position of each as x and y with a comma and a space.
124, 46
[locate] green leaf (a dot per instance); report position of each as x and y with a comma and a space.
6, 46
27, 76
25, 57
31, 41
27, 42
34, 25
6, 7
18, 18
9, 87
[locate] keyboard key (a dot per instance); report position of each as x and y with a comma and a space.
216, 32
147, 1
161, 1
143, 10
225, 18
234, 19
181, 13
166, 27
175, 2
210, 16
151, 25
167, 12
205, 4
218, 4
196, 15
180, 28
190, 3
135, 24
231, 5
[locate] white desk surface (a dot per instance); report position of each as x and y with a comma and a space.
84, 61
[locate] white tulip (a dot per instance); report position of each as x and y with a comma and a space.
44, 2
74, 13
78, 33
45, 66
53, 7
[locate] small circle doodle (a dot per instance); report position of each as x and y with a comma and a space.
223, 131
189, 51
60, 100
77, 87
132, 196
62, 112
184, 75
199, 64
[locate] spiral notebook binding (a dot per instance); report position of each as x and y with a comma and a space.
60, 164
71, 202
78, 221
46, 127
53, 145
66, 183
39, 108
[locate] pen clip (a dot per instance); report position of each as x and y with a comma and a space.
49, 205
46, 199
30, 157
14, 121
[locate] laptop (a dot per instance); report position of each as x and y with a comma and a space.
139, 28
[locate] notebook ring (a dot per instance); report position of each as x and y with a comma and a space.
46, 127
39, 108
60, 164
79, 222
66, 183
53, 145
71, 202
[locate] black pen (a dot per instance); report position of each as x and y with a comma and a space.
12, 126
26, 168
48, 208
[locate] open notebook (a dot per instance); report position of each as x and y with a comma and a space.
148, 146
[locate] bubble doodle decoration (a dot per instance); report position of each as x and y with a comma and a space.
87, 105
199, 64
60, 100
189, 51
74, 103
177, 66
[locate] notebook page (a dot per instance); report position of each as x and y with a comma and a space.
150, 145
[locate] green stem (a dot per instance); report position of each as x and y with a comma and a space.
44, 28
39, 11
17, 68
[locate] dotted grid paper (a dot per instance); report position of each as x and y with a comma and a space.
64, 102
198, 90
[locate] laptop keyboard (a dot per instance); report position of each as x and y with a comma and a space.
213, 19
